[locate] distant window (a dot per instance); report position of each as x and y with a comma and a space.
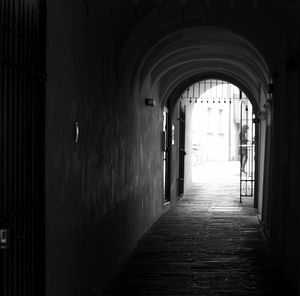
221, 121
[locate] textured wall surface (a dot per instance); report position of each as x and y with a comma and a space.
103, 192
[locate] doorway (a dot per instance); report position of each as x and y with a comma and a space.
166, 160
217, 115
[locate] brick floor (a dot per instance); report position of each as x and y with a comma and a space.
208, 244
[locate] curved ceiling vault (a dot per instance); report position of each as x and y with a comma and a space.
194, 51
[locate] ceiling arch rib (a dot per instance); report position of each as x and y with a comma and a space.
196, 50
184, 71
205, 40
172, 79
210, 59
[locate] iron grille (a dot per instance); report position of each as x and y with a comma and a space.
22, 149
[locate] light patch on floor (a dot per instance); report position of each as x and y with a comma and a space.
211, 172
225, 209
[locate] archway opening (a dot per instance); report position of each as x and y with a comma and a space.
219, 144
180, 56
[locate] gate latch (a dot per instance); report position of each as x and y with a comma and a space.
3, 239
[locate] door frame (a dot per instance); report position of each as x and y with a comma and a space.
181, 148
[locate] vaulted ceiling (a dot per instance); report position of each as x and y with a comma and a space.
244, 42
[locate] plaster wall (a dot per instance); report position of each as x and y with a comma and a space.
283, 197
260, 183
288, 241
103, 192
262, 129
174, 154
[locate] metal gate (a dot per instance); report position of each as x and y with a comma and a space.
217, 92
22, 148
247, 148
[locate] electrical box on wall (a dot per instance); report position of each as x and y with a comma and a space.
150, 102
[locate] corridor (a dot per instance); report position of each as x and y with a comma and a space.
208, 244
109, 107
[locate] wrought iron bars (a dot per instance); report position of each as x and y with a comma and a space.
202, 91
22, 89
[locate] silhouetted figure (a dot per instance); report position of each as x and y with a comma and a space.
243, 150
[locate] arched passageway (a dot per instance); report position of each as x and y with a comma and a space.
177, 59
180, 56
115, 71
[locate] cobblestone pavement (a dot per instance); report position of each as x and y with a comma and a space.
207, 244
